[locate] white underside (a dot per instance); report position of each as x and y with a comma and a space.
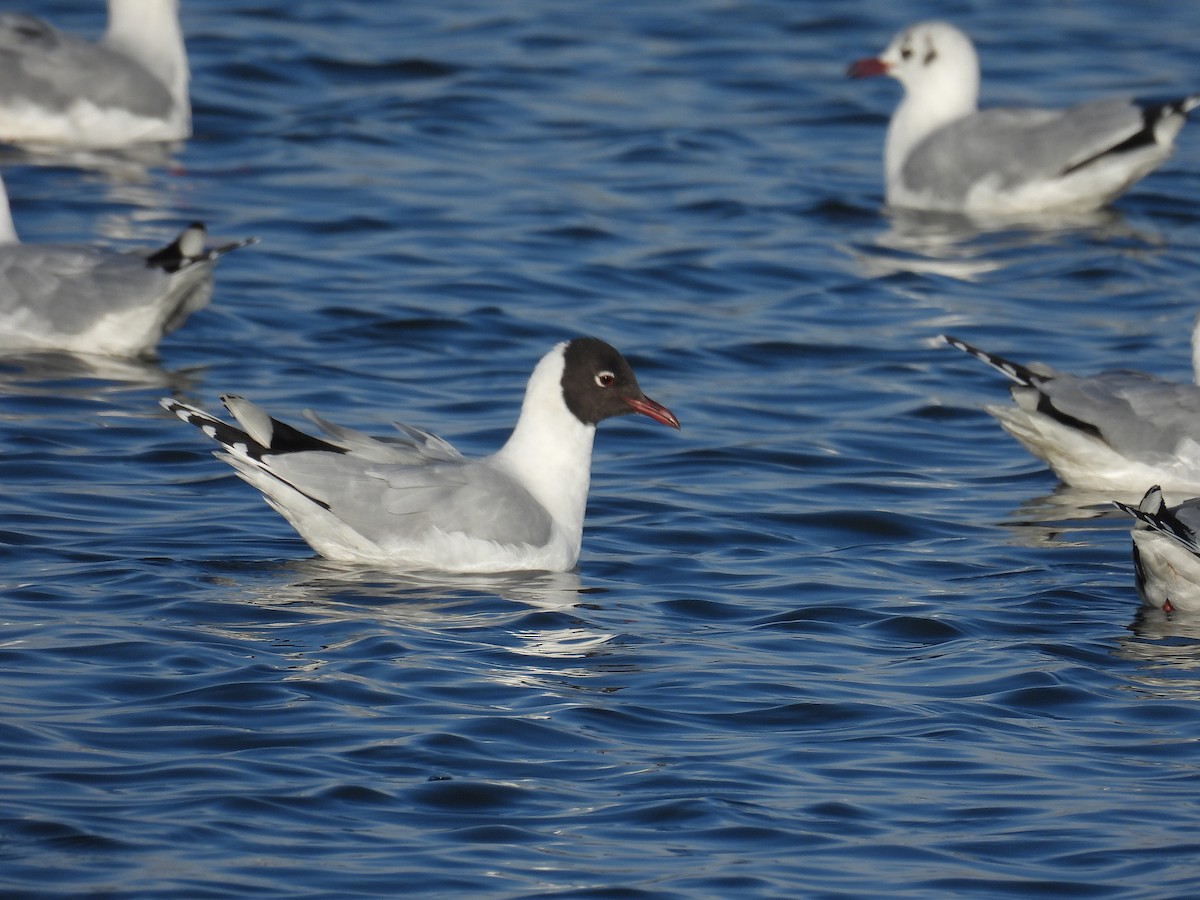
1172, 572
435, 550
1087, 462
133, 331
128, 333
83, 124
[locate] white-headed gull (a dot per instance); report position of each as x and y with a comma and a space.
89, 299
944, 154
1114, 431
1166, 551
417, 503
131, 86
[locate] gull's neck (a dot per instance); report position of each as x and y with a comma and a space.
550, 450
8, 231
1196, 351
148, 32
929, 104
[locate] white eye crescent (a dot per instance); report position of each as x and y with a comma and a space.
605, 379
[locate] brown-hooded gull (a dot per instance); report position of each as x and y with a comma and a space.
89, 299
1166, 551
1114, 431
131, 86
944, 154
416, 502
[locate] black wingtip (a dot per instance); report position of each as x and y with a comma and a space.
188, 249
1162, 519
223, 433
1011, 370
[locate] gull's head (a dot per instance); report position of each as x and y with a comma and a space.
933, 60
598, 383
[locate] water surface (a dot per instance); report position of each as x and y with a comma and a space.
838, 637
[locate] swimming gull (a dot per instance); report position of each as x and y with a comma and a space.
416, 502
1114, 431
1166, 551
943, 154
131, 86
90, 299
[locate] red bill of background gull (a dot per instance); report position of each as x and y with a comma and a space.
416, 502
944, 154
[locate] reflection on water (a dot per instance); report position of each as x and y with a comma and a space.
968, 247
320, 581
118, 165
127, 188
1167, 648
1068, 516
86, 377
440, 603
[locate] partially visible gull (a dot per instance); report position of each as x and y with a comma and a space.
417, 503
1166, 551
90, 299
1114, 431
131, 86
944, 154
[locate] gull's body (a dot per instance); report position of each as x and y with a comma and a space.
90, 299
419, 504
130, 87
1114, 431
944, 154
1166, 551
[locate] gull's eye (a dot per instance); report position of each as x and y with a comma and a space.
906, 52
605, 379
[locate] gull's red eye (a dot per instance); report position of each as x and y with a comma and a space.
606, 379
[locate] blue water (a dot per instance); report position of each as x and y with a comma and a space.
839, 637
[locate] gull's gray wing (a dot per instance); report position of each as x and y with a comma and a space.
52, 69
65, 289
414, 447
1140, 416
390, 493
388, 503
1006, 148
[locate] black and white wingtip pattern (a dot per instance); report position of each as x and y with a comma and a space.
1152, 504
217, 252
1163, 113
1011, 370
1178, 107
188, 249
260, 434
1154, 514
228, 436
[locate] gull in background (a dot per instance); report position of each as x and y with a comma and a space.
1166, 551
1114, 431
89, 299
416, 502
130, 87
944, 154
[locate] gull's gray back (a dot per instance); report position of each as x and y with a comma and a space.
67, 288
1011, 147
387, 502
1137, 414
53, 69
